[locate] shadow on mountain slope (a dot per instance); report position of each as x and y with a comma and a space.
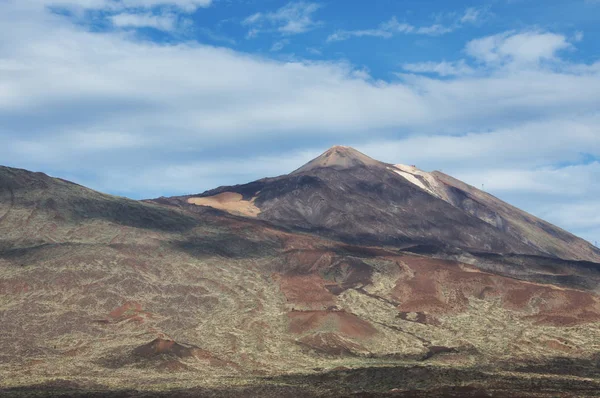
393, 381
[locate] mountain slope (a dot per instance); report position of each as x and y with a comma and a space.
37, 209
537, 232
548, 238
106, 294
344, 194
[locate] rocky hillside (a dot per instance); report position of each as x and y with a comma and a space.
346, 277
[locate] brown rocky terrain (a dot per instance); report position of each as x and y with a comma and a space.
343, 278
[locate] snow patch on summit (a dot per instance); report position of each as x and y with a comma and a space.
420, 178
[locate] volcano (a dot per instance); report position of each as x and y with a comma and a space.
347, 276
346, 195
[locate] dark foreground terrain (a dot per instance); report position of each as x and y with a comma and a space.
409, 381
347, 277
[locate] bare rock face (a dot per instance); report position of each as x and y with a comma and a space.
347, 277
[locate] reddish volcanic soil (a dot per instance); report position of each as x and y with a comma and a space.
307, 290
331, 321
131, 310
443, 287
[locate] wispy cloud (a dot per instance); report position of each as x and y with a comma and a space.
444, 68
293, 18
163, 15
508, 50
386, 30
393, 27
131, 20
473, 15
279, 45
116, 5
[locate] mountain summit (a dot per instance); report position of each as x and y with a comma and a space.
339, 157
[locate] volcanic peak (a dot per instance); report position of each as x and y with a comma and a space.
339, 157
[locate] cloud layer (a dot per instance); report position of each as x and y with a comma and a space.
135, 117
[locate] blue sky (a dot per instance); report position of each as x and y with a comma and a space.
144, 98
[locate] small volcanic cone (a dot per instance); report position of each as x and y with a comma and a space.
161, 349
166, 347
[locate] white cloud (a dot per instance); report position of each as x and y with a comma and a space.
116, 5
293, 18
578, 215
393, 27
57, 148
342, 35
472, 15
129, 20
279, 45
252, 19
521, 48
581, 215
516, 52
570, 181
157, 14
434, 30
209, 95
523, 146
188, 5
593, 69
444, 68
175, 177
385, 30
